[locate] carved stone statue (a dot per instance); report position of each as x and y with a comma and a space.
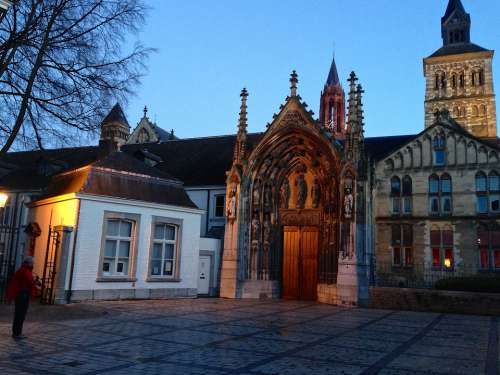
301, 185
231, 203
316, 194
285, 194
348, 203
268, 196
255, 229
256, 194
267, 228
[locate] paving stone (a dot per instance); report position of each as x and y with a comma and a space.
288, 334
365, 344
70, 362
140, 349
342, 355
228, 329
302, 366
164, 369
7, 370
438, 365
219, 358
130, 329
190, 337
446, 352
175, 322
259, 345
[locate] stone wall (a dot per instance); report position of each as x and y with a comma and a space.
472, 105
433, 300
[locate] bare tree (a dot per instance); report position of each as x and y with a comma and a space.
61, 64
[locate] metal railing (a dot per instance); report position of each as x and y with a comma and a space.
416, 275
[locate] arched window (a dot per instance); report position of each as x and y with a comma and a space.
483, 110
402, 245
436, 82
407, 195
454, 80
439, 145
473, 78
481, 77
475, 110
488, 244
442, 248
487, 193
462, 80
396, 195
440, 195
446, 190
456, 112
443, 80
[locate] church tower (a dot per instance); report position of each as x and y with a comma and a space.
459, 77
115, 127
332, 104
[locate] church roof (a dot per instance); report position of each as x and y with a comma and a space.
333, 75
456, 49
452, 6
116, 115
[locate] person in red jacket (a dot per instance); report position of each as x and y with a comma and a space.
21, 287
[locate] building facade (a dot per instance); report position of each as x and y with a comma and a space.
310, 208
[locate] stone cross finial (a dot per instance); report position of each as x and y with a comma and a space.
243, 110
145, 111
294, 79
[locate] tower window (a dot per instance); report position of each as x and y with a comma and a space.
481, 77
454, 81
439, 150
462, 80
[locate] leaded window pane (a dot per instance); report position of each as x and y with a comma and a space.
446, 204
482, 204
446, 185
395, 186
495, 203
481, 185
433, 185
494, 182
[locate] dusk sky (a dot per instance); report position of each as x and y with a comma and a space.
209, 51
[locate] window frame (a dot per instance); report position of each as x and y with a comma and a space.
404, 248
491, 249
401, 197
176, 274
216, 196
134, 240
485, 193
442, 249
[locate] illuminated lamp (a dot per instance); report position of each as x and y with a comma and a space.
447, 263
3, 199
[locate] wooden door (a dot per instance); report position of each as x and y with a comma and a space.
309, 263
300, 262
291, 254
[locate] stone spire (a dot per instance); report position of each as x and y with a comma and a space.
115, 128
455, 24
353, 123
294, 80
332, 104
240, 149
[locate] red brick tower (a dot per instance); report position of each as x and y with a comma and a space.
332, 104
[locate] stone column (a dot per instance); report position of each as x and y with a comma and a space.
62, 263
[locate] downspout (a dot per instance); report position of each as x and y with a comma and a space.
73, 254
208, 212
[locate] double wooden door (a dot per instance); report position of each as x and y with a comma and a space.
300, 263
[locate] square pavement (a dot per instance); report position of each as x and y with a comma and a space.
217, 337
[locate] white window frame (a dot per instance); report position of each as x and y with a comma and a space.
134, 219
177, 224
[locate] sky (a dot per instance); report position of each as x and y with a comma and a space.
208, 51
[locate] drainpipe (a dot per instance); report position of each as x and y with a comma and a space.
208, 212
73, 254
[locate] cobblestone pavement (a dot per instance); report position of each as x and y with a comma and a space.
216, 337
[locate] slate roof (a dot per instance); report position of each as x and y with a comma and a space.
120, 175
116, 115
162, 134
456, 49
333, 75
196, 161
452, 6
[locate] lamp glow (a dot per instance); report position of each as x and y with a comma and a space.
3, 200
447, 263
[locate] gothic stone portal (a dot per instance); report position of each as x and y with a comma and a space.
291, 218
